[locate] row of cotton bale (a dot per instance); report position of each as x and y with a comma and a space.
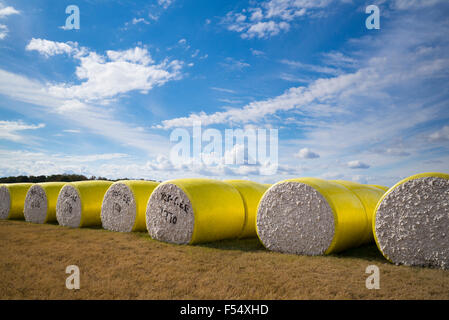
309, 216
216, 210
409, 222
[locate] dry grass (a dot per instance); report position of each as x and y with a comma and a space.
132, 266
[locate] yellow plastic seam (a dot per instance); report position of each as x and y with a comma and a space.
251, 193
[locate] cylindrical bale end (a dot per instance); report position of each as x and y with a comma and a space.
12, 200
5, 202
79, 203
124, 205
251, 193
40, 202
189, 211
411, 222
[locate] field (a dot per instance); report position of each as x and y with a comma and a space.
132, 266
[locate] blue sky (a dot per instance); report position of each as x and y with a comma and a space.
348, 102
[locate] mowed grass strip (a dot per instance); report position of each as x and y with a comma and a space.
33, 259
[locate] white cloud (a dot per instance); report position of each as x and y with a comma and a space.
165, 3
223, 90
139, 20
105, 77
83, 105
415, 4
24, 162
306, 153
357, 164
372, 82
233, 64
395, 152
257, 52
339, 60
440, 135
269, 18
265, 29
135, 55
230, 101
97, 157
194, 54
309, 67
256, 14
292, 78
318, 91
9, 130
3, 31
7, 11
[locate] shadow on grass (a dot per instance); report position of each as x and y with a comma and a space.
367, 252
246, 245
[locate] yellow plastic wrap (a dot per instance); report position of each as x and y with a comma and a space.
17, 193
214, 211
380, 187
416, 176
218, 209
369, 196
91, 195
251, 193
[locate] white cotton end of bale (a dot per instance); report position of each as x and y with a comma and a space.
68, 207
36, 205
412, 223
295, 218
118, 211
170, 215
5, 202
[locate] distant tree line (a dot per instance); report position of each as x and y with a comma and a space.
54, 178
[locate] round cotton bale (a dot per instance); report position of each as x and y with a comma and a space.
411, 222
189, 211
310, 216
12, 200
380, 187
40, 202
369, 196
79, 203
124, 205
251, 193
